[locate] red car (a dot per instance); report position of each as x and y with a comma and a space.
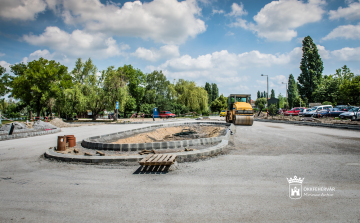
166, 114
293, 112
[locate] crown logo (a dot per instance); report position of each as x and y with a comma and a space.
295, 180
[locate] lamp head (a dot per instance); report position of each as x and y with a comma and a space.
262, 74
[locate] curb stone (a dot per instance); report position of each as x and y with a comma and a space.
29, 134
102, 142
339, 126
181, 156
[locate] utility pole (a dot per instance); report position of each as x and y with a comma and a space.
267, 92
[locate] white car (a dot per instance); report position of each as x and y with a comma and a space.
353, 114
316, 109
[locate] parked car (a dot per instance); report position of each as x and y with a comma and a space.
335, 112
316, 109
166, 114
353, 114
322, 113
293, 112
223, 113
344, 107
303, 110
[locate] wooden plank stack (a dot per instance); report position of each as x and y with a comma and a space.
158, 160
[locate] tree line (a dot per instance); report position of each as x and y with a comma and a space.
312, 86
45, 87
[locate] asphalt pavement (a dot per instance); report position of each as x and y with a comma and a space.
247, 183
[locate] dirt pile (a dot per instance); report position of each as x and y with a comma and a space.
59, 123
169, 134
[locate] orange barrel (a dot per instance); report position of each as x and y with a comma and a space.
61, 145
71, 139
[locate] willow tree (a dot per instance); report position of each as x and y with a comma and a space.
192, 96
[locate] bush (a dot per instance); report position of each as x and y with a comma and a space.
272, 109
205, 113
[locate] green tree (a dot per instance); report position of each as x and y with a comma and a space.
272, 95
214, 92
219, 104
147, 108
258, 94
136, 82
12, 110
4, 81
350, 90
292, 91
130, 105
260, 103
311, 67
265, 94
282, 101
158, 91
261, 95
272, 109
115, 88
192, 96
38, 81
209, 91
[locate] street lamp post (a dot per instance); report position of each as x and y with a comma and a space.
287, 102
267, 86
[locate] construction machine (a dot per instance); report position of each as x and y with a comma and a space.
239, 110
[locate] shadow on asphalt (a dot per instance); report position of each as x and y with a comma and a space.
152, 170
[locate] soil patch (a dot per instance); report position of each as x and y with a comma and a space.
170, 134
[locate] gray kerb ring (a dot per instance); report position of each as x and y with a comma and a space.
181, 156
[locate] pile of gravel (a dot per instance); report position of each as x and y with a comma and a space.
43, 125
17, 126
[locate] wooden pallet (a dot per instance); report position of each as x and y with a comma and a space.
158, 160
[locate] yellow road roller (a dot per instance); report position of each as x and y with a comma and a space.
239, 110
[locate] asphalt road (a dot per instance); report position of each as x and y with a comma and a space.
246, 184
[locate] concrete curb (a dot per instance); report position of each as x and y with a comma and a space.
181, 157
28, 134
101, 142
338, 126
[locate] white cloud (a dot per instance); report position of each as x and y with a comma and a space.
352, 12
347, 54
167, 21
223, 66
218, 11
2, 54
346, 31
5, 65
37, 54
78, 43
167, 51
278, 79
324, 54
237, 10
21, 9
278, 20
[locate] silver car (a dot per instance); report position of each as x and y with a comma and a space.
353, 114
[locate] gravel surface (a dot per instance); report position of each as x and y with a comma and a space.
247, 184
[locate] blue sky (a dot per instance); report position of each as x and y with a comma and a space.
230, 43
